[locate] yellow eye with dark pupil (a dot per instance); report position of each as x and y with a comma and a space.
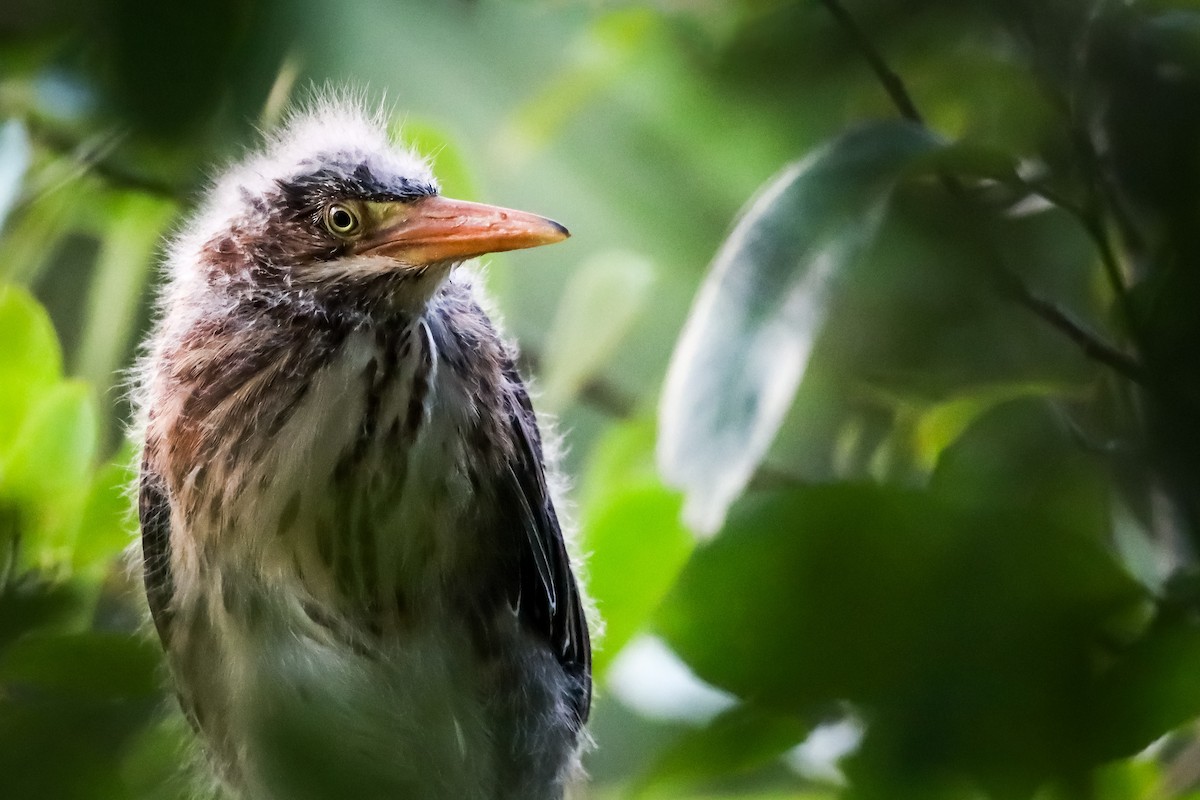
341, 220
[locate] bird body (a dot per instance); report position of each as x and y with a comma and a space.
350, 546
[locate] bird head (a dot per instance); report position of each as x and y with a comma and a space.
333, 210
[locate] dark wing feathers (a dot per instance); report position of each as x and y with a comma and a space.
549, 596
543, 570
154, 515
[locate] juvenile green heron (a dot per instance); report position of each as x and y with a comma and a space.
350, 546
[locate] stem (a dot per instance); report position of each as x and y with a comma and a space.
1092, 345
95, 159
597, 393
892, 83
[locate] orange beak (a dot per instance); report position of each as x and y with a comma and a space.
437, 229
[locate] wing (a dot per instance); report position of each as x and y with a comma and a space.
546, 596
154, 515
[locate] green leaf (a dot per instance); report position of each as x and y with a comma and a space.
83, 697
98, 665
30, 349
637, 548
598, 306
738, 741
1018, 455
942, 424
629, 526
107, 524
622, 459
444, 156
153, 766
1151, 688
53, 453
31, 604
34, 237
1129, 780
30, 363
970, 630
15, 154
49, 470
745, 346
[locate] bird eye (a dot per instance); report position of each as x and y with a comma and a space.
341, 220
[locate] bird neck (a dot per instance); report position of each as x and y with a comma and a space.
367, 300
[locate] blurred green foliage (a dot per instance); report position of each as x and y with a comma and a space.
931, 427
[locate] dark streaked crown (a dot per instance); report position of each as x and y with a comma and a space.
263, 224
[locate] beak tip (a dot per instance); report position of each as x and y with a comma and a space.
560, 228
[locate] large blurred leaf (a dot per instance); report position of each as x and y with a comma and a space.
1020, 455
48, 471
968, 635
107, 524
82, 697
747, 341
623, 459
85, 664
14, 160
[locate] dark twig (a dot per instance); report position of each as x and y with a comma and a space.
597, 393
95, 159
603, 396
892, 83
1092, 345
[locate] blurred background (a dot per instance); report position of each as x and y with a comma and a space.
903, 503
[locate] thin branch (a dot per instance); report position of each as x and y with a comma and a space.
597, 393
603, 396
892, 83
1092, 219
95, 158
1092, 345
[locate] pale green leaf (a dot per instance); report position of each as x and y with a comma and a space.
48, 469
123, 269
597, 309
745, 346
